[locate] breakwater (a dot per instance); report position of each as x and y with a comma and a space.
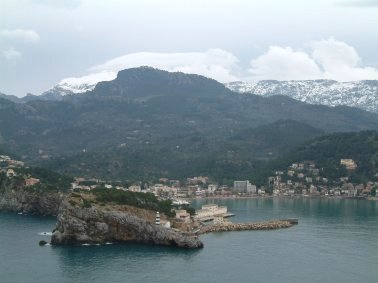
228, 226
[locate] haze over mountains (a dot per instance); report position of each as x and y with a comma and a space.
152, 123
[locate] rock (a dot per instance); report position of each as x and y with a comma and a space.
19, 199
98, 225
42, 243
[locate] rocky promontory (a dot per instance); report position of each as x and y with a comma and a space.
20, 199
84, 221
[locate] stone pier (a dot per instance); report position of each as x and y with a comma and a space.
228, 226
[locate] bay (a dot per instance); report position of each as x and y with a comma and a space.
335, 241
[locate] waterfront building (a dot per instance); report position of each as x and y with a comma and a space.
212, 188
244, 187
210, 210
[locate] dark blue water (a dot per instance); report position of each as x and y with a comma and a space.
335, 241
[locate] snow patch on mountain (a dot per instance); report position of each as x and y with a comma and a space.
85, 83
77, 85
360, 94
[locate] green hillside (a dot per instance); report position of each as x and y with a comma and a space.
149, 123
326, 152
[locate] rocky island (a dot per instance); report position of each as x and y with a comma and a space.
97, 223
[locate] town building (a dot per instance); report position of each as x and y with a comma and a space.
183, 215
31, 181
208, 211
244, 187
349, 164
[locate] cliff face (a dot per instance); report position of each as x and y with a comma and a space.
19, 199
100, 224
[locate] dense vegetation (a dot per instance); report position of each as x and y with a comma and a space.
49, 180
141, 200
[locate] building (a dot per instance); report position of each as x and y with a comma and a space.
210, 210
290, 173
136, 189
212, 188
261, 192
244, 187
11, 173
183, 215
349, 164
31, 181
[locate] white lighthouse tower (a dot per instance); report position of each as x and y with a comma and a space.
157, 220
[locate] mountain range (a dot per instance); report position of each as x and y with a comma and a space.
360, 94
148, 123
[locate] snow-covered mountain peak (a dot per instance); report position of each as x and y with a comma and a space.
361, 94
85, 83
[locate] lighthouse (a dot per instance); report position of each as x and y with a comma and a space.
157, 220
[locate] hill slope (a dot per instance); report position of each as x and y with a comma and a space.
327, 151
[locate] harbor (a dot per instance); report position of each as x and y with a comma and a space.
219, 216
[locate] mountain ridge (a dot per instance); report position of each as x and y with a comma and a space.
148, 123
360, 94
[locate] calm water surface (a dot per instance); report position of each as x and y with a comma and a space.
336, 241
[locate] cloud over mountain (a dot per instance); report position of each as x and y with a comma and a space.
326, 59
320, 59
215, 63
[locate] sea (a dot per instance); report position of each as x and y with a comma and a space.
336, 240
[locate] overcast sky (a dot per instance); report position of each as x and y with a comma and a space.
45, 41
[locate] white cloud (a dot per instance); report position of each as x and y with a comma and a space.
214, 63
340, 61
23, 34
11, 54
327, 59
283, 63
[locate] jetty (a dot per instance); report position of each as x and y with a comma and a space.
265, 225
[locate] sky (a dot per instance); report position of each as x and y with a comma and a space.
44, 42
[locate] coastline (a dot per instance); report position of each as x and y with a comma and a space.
279, 196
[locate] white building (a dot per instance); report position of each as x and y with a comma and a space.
137, 189
212, 188
11, 173
210, 210
244, 187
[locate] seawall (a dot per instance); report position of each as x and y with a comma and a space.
228, 226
